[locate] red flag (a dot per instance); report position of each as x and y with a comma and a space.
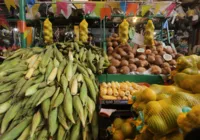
89, 7
62, 6
3, 21
132, 8
105, 12
170, 8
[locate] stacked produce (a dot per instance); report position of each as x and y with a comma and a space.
189, 120
44, 95
122, 129
48, 32
149, 34
123, 90
83, 31
123, 31
91, 57
125, 59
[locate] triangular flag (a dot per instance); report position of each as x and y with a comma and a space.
78, 6
157, 8
61, 6
26, 32
98, 7
132, 8
89, 7
30, 3
69, 11
105, 12
113, 5
10, 3
145, 9
170, 8
3, 21
35, 9
123, 6
165, 25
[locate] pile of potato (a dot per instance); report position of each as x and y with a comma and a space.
125, 59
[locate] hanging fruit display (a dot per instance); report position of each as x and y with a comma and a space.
149, 34
83, 31
123, 31
48, 32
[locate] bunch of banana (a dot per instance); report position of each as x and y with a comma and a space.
44, 95
91, 57
149, 34
48, 32
83, 31
123, 31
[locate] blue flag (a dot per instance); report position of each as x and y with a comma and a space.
165, 25
30, 3
123, 6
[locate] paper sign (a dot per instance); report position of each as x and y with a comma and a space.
105, 12
99, 5
138, 39
145, 9
132, 8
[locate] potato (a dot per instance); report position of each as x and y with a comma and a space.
122, 53
158, 56
172, 62
110, 57
159, 61
156, 69
124, 63
110, 49
164, 71
155, 52
112, 70
151, 59
117, 56
109, 44
141, 69
159, 48
169, 50
132, 67
124, 70
165, 64
133, 60
142, 57
115, 43
148, 52
114, 35
134, 49
108, 39
115, 62
162, 53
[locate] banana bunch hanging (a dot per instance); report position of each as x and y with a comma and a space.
149, 34
123, 31
83, 31
48, 32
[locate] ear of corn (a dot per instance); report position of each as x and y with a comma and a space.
62, 118
25, 134
5, 96
5, 106
60, 69
35, 122
53, 124
31, 90
91, 108
83, 94
67, 105
16, 131
56, 62
79, 109
55, 96
49, 69
32, 61
69, 70
64, 83
95, 127
43, 134
58, 100
61, 133
46, 108
74, 87
29, 73
75, 133
52, 75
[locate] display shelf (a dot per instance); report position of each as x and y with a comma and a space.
113, 102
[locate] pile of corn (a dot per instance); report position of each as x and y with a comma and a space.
44, 95
91, 57
83, 31
48, 32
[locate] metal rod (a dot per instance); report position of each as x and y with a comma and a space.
22, 17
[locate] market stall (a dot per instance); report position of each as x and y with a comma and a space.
98, 70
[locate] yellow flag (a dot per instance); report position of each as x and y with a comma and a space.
145, 9
78, 6
35, 9
99, 5
157, 8
113, 4
10, 3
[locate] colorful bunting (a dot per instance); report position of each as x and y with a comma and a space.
170, 8
78, 6
132, 8
105, 12
89, 7
3, 21
165, 25
62, 6
123, 6
145, 9
30, 3
69, 11
99, 5
113, 5
10, 3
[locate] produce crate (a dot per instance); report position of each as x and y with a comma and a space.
150, 79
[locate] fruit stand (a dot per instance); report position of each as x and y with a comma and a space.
127, 85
